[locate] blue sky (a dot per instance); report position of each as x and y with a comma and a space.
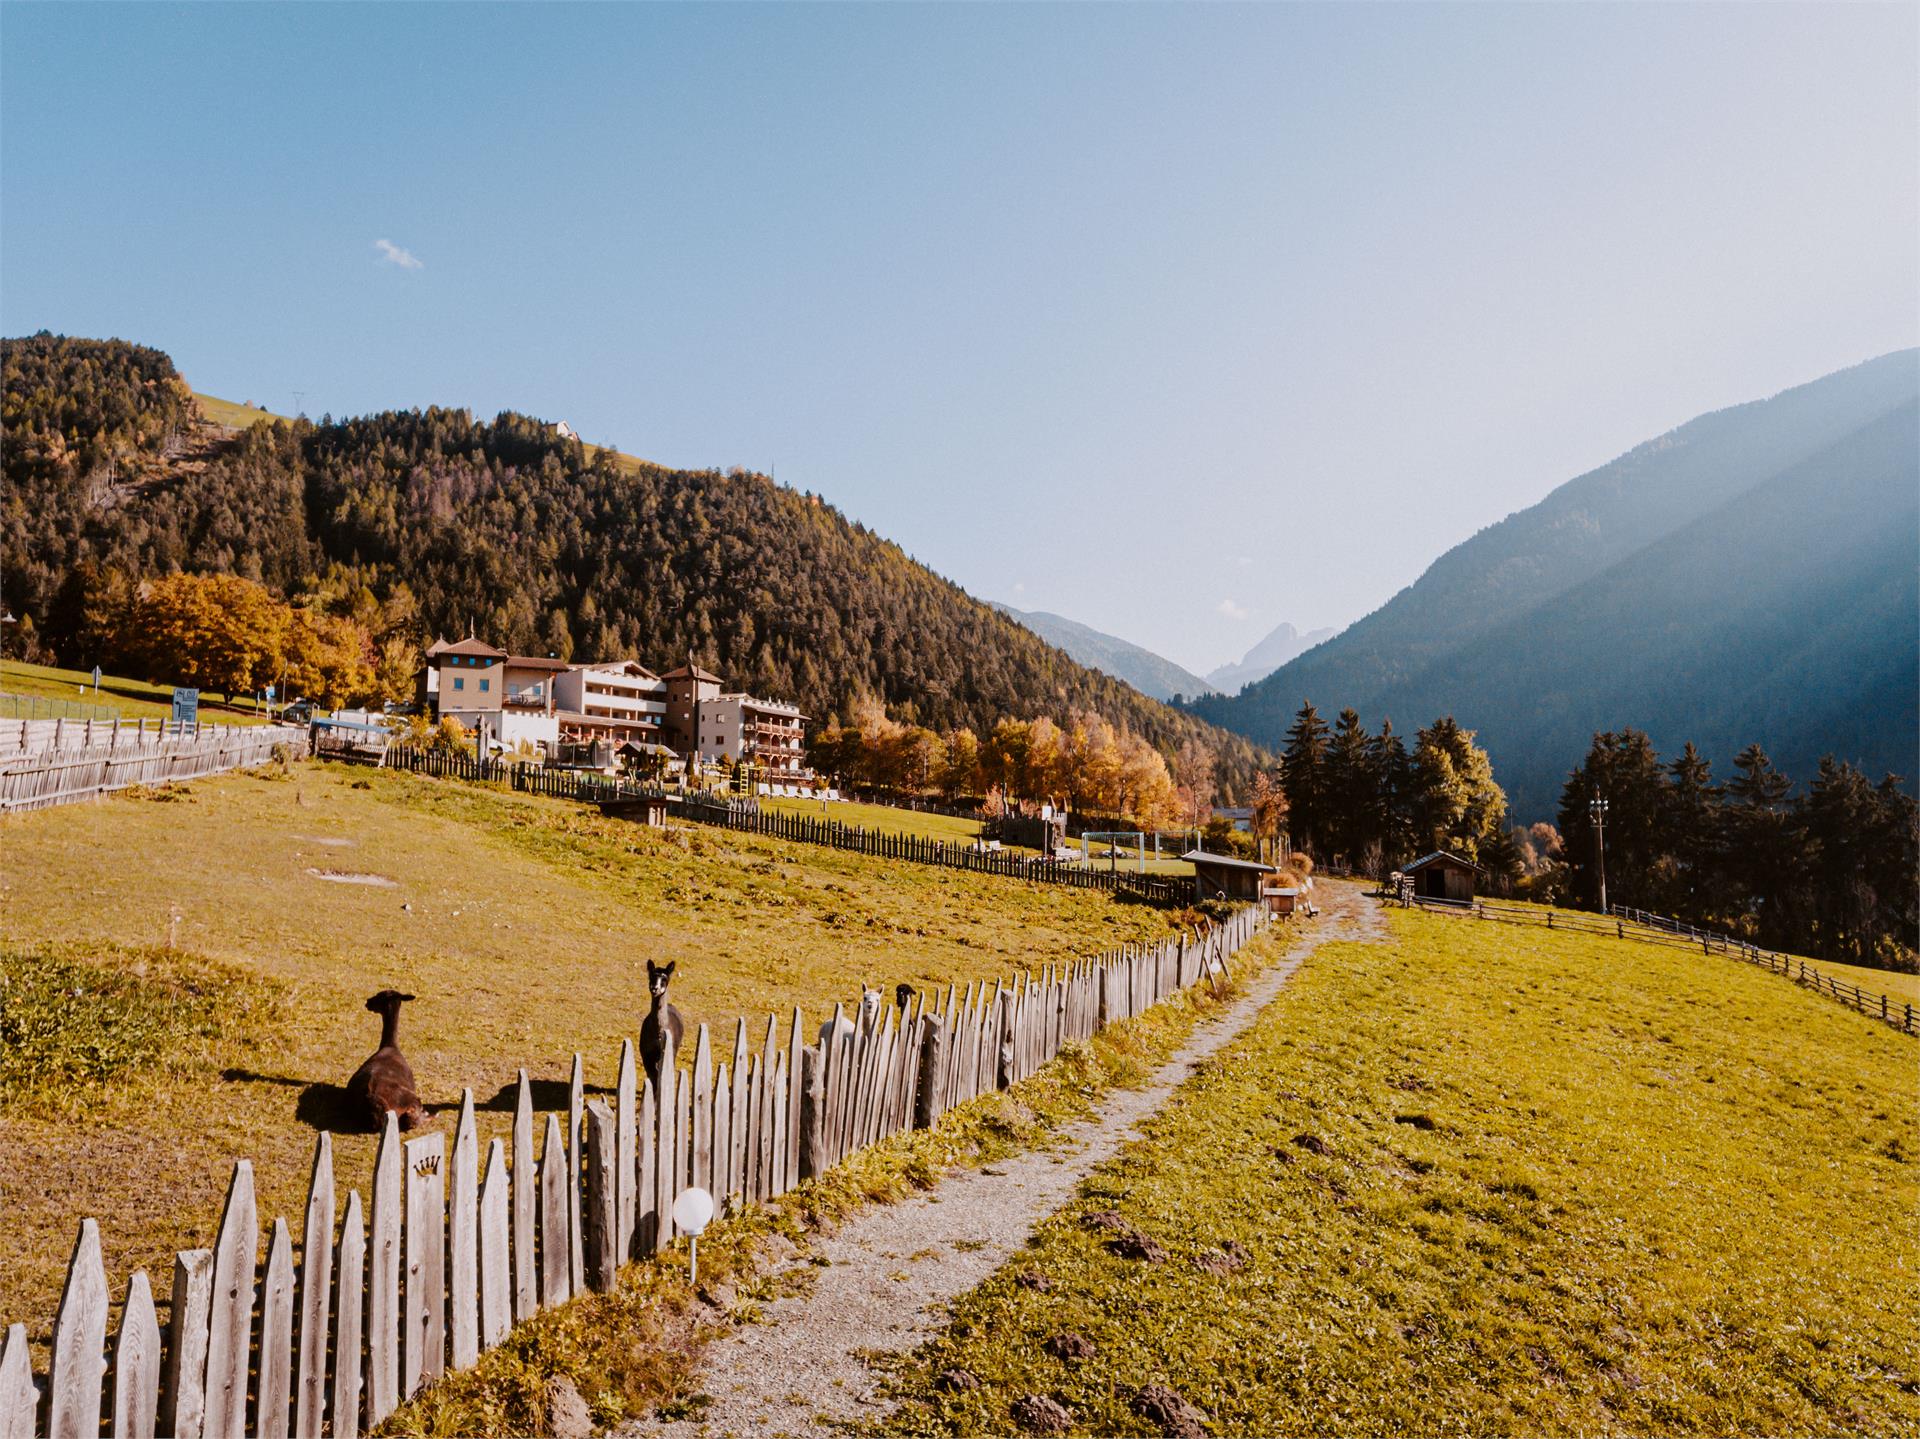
1181, 321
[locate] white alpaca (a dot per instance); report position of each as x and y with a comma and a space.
866, 1016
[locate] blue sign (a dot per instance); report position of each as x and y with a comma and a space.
269, 692
186, 706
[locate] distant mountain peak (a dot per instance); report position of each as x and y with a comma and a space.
1283, 643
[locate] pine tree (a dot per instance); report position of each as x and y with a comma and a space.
1349, 789
1304, 776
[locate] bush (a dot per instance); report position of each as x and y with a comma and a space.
72, 1021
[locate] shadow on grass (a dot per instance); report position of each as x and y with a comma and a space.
322, 1105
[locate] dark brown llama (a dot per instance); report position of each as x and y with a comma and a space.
384, 1084
662, 1021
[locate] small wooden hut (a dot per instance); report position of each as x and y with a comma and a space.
1443, 876
1221, 876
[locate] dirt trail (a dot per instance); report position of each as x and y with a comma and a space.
894, 1267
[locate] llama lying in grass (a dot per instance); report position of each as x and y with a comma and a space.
662, 1021
384, 1084
865, 1017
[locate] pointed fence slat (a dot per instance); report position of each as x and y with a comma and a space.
576, 1256
722, 1139
601, 1210
556, 1213
349, 1281
626, 1180
275, 1388
646, 1189
796, 1044
136, 1365
495, 1249
463, 1240
666, 1109
526, 1297
184, 1413
230, 1335
423, 1354
19, 1399
383, 1280
700, 1143
316, 1293
76, 1380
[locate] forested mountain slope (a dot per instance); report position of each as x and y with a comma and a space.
1153, 675
1748, 577
530, 540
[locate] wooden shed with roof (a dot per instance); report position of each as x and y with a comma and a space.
1443, 876
1222, 876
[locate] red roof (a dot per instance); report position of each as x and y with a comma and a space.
529, 662
690, 672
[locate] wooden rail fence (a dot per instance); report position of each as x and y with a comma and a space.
94, 760
749, 817
1644, 927
454, 1247
1898, 1013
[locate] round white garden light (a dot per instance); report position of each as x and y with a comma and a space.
691, 1213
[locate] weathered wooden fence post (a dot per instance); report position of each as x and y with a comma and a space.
424, 1351
556, 1238
526, 1299
812, 1102
188, 1325
926, 1099
602, 1208
316, 1293
231, 1333
78, 1371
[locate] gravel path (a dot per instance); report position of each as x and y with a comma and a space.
894, 1267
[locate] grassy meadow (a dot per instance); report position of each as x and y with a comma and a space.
1484, 1179
183, 967
134, 699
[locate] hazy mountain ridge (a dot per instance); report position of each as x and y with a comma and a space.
1584, 612
1153, 675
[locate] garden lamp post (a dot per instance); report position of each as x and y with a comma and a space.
1597, 807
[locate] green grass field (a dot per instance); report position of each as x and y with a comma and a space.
233, 416
133, 699
1489, 1180
523, 924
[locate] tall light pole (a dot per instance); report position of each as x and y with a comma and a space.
1597, 807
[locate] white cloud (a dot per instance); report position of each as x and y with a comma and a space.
394, 255
1019, 587
1230, 610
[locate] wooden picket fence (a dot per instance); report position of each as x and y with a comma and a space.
92, 760
451, 1252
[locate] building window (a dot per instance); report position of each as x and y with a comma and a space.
483, 686
459, 682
